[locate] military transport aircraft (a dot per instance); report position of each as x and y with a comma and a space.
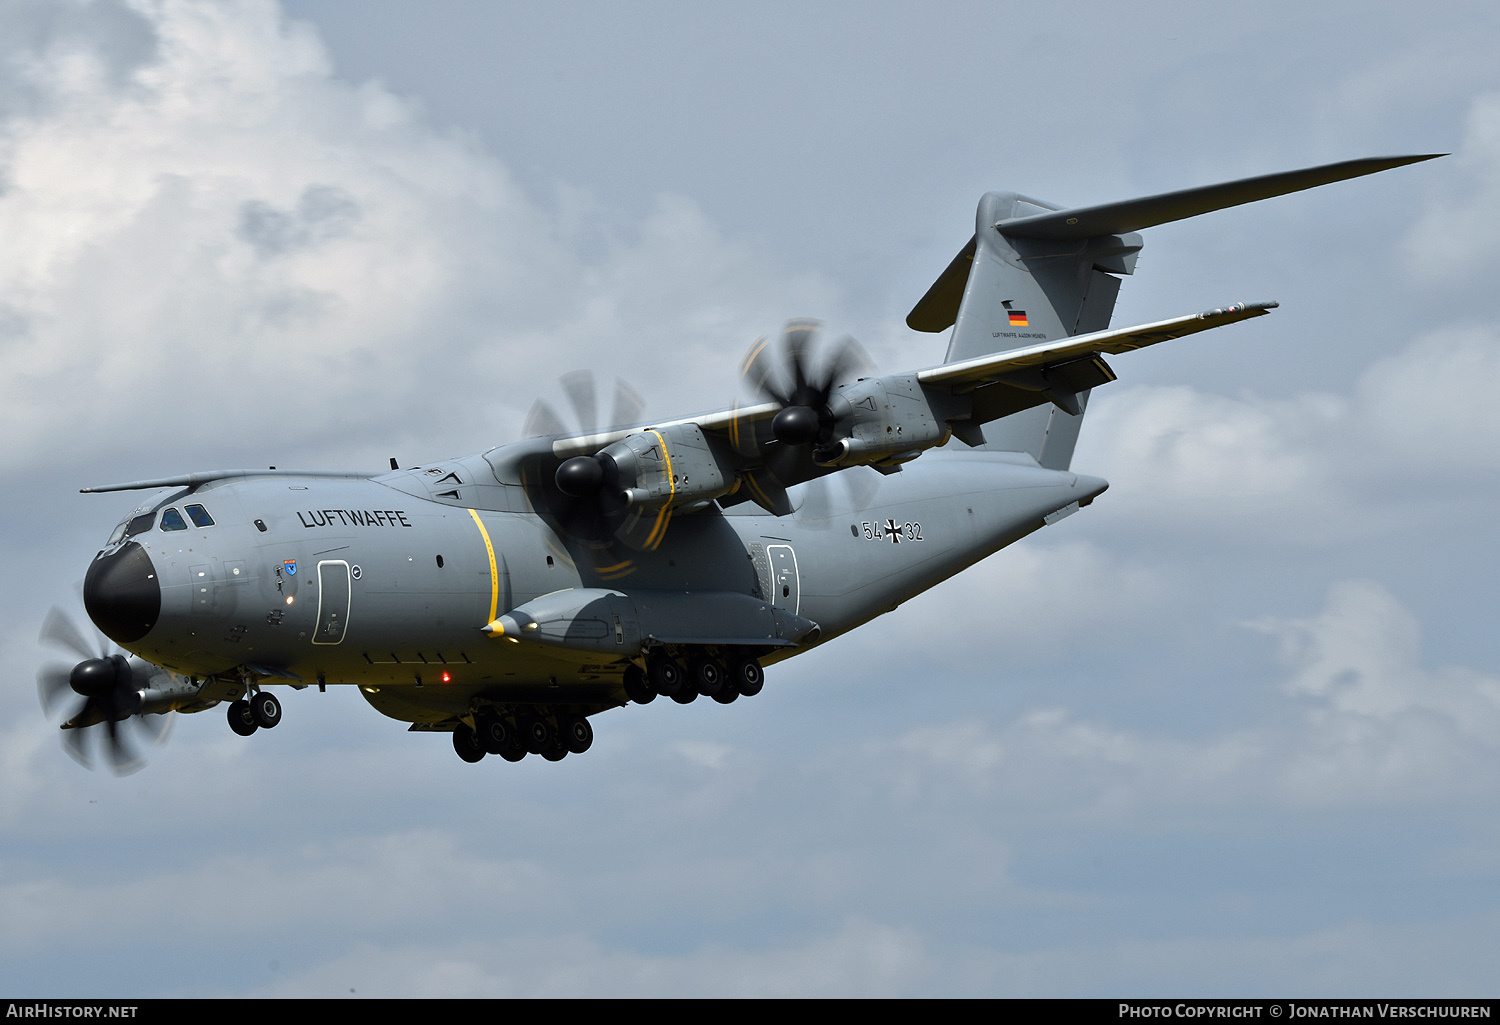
506, 597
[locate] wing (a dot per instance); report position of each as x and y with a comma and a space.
733, 454
725, 422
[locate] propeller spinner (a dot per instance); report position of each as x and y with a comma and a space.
582, 492
110, 691
800, 375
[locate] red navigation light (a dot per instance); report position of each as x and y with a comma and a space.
447, 678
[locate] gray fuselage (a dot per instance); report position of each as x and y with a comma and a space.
388, 582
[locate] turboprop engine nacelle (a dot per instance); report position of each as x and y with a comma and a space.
881, 420
671, 467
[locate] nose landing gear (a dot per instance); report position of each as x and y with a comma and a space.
240, 718
262, 710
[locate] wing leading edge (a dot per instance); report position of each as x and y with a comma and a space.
992, 369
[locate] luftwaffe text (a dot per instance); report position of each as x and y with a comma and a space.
354, 518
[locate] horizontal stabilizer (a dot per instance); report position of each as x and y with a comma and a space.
938, 308
974, 372
1135, 214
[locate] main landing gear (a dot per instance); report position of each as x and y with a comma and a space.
740, 677
262, 710
553, 736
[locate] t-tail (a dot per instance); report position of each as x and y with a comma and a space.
1035, 273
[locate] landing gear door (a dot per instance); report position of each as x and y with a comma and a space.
785, 592
333, 602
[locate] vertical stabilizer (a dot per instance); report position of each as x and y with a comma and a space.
1035, 272
1021, 291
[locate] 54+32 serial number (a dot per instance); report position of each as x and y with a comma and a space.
892, 531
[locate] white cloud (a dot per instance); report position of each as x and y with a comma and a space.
235, 242
1455, 243
1417, 428
1370, 725
1429, 410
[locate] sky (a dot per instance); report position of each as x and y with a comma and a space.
1232, 730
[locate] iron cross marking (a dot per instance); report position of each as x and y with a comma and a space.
893, 531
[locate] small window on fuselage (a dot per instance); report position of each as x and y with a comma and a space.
199, 516
172, 520
140, 524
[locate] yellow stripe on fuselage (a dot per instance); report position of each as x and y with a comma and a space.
494, 576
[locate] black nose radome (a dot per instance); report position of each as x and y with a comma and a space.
122, 594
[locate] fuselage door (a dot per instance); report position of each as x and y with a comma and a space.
785, 591
333, 602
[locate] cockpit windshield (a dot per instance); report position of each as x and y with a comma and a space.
140, 524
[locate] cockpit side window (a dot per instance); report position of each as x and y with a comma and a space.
140, 524
172, 520
199, 516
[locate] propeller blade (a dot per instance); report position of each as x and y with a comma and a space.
817, 504
820, 502
797, 347
579, 387
758, 371
742, 434
862, 483
799, 375
72, 742
157, 727
629, 407
583, 506
122, 758
846, 360
543, 421
787, 462
59, 628
51, 682
112, 698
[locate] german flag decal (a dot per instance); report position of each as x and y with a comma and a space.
1017, 318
